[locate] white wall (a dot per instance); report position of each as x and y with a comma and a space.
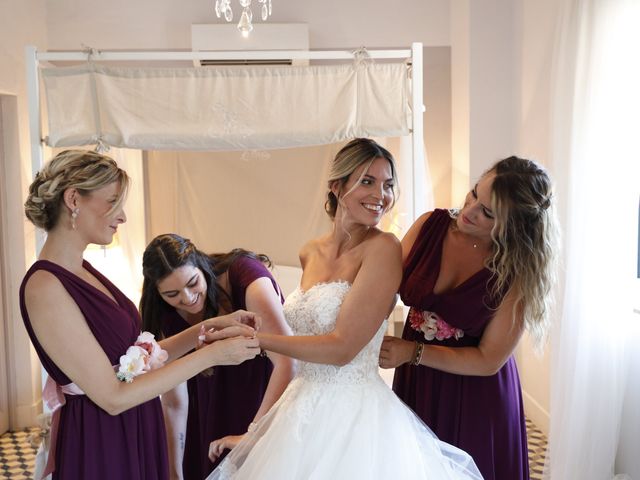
166, 24
21, 23
501, 105
536, 24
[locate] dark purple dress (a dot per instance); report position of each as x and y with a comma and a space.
223, 403
90, 442
482, 415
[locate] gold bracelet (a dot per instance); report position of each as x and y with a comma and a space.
417, 354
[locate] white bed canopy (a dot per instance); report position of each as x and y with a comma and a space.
232, 108
198, 125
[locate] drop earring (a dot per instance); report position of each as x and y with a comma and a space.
74, 215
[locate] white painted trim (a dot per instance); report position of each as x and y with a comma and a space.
220, 55
27, 415
536, 413
5, 316
417, 121
35, 129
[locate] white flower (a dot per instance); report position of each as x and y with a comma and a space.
430, 326
143, 356
132, 363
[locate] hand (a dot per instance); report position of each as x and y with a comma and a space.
217, 447
233, 351
228, 332
395, 352
239, 317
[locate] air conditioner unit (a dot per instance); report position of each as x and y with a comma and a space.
264, 36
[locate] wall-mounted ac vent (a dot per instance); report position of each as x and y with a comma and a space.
226, 38
224, 63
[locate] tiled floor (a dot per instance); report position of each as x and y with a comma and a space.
17, 454
537, 450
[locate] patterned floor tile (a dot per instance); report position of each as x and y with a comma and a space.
17, 454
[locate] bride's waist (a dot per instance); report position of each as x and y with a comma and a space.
347, 374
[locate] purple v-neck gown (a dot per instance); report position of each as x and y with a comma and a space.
482, 415
91, 444
225, 402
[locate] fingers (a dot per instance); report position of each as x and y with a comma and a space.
384, 361
248, 318
215, 449
233, 351
228, 332
239, 317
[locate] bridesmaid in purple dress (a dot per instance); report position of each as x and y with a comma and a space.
212, 411
80, 324
474, 280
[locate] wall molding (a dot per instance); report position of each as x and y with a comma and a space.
536, 413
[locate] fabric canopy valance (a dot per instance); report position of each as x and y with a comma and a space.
225, 108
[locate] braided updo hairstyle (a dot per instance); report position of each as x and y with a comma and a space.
80, 169
355, 153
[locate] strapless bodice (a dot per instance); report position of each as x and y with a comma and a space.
314, 312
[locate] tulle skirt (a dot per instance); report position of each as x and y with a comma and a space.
331, 431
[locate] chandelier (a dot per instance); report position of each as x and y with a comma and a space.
223, 8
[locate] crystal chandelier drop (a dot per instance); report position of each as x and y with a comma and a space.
223, 8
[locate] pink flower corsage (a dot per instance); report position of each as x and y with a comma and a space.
432, 325
144, 355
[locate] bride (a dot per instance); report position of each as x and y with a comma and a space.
338, 419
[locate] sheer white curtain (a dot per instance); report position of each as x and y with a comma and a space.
597, 168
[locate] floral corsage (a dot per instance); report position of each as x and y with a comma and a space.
144, 355
432, 325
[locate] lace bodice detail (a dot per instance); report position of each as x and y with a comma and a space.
314, 312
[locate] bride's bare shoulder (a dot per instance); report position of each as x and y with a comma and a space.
383, 240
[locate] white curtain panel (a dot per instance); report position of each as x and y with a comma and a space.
269, 201
597, 172
230, 108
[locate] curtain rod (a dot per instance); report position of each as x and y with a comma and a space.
220, 55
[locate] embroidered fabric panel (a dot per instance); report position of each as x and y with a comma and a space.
227, 108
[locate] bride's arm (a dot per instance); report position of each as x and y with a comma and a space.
363, 310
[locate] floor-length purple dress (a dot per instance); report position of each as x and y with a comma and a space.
482, 415
91, 444
225, 402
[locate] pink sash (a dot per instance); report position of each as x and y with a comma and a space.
53, 397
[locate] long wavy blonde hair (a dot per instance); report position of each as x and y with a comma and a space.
525, 240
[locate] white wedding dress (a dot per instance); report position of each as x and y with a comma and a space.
334, 423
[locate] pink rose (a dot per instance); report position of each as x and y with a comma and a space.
156, 355
432, 325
